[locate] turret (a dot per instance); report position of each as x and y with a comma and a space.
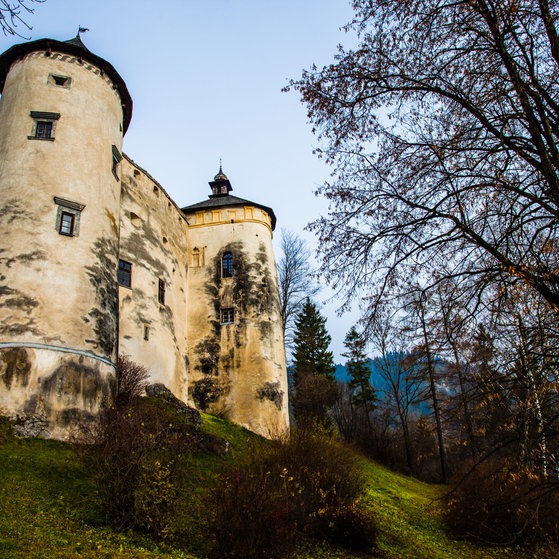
63, 113
236, 348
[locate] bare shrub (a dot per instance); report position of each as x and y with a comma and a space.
304, 486
503, 503
131, 380
141, 451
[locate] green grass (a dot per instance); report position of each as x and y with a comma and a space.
48, 509
408, 513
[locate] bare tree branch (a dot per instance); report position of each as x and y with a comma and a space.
12, 16
442, 126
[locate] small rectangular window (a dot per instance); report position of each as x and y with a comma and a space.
67, 223
227, 316
227, 265
124, 273
161, 292
68, 217
43, 125
44, 129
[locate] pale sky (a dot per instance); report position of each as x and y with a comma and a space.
206, 79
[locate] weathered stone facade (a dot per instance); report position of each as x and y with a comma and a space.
97, 260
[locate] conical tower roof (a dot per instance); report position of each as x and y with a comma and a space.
74, 47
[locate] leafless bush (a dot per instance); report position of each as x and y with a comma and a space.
139, 461
504, 503
304, 486
131, 380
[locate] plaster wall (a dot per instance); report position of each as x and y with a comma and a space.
52, 394
239, 368
48, 280
58, 293
153, 235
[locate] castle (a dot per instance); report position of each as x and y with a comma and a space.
96, 261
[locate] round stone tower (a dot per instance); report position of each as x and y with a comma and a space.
63, 114
236, 348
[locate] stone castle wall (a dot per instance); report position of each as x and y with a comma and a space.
73, 211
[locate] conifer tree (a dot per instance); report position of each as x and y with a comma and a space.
311, 354
363, 394
316, 390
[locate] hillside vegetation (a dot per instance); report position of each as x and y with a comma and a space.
49, 508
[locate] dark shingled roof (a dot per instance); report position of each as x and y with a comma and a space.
228, 200
74, 47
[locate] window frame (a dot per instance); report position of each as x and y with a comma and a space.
44, 130
124, 273
227, 267
62, 229
67, 207
40, 119
161, 291
227, 315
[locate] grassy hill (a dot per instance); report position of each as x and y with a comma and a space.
48, 509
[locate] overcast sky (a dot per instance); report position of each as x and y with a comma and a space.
206, 79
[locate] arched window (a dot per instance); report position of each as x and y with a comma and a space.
227, 265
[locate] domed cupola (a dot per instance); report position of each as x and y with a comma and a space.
220, 185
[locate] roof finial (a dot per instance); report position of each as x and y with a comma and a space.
220, 165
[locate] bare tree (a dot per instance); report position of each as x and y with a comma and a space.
424, 356
398, 372
295, 279
12, 16
442, 126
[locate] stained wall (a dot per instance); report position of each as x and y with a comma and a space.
58, 297
153, 238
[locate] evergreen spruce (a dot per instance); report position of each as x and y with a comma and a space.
311, 354
363, 394
316, 390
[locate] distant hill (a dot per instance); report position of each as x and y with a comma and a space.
378, 381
